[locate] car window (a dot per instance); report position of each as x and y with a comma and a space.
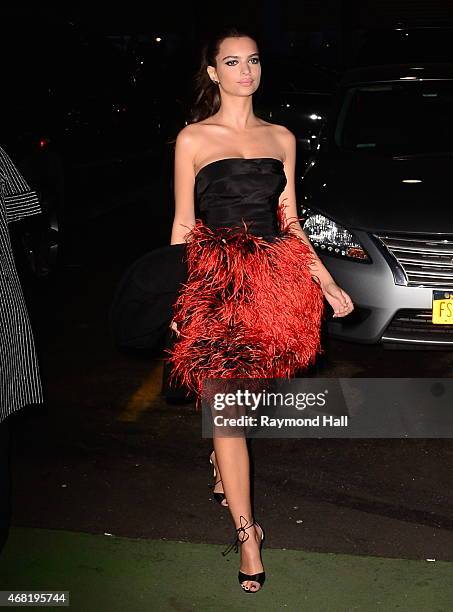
397, 118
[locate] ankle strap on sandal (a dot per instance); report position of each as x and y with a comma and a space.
241, 530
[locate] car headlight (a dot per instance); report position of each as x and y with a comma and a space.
330, 238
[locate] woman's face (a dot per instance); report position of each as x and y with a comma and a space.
238, 67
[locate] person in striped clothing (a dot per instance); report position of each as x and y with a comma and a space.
20, 382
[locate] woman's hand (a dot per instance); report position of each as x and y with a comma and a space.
338, 299
174, 327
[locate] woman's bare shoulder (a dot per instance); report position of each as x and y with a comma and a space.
284, 140
282, 132
193, 135
188, 135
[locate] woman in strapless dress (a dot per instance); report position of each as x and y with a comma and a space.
253, 303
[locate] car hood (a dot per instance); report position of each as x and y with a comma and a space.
368, 193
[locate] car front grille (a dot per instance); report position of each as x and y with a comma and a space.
415, 325
425, 261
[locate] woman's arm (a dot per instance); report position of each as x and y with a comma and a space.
288, 198
184, 219
339, 300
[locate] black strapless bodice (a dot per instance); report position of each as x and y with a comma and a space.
232, 190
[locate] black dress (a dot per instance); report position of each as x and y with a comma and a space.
240, 289
250, 307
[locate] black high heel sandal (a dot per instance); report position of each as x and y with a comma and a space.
219, 497
260, 577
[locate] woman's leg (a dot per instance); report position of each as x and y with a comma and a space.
232, 458
218, 485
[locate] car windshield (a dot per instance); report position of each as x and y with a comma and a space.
397, 118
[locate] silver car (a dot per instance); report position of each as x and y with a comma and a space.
377, 203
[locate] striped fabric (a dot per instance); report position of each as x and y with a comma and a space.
19, 372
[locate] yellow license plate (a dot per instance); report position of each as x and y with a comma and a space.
442, 307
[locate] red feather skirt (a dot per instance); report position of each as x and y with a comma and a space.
249, 309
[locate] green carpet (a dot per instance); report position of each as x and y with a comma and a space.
109, 574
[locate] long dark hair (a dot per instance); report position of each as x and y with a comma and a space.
207, 95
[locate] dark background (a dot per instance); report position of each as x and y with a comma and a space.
308, 25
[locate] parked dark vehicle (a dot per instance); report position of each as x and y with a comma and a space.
377, 203
296, 95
